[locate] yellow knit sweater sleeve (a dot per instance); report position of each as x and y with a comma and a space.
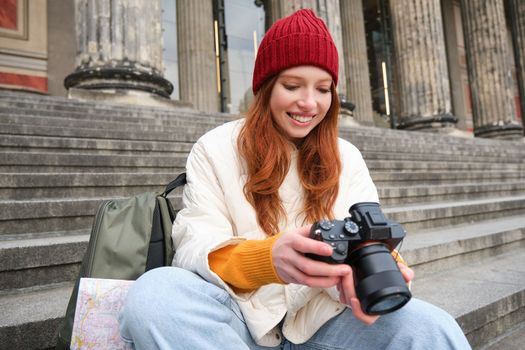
398, 258
245, 266
248, 265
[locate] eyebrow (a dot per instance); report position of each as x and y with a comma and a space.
290, 76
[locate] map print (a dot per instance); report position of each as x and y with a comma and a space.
96, 317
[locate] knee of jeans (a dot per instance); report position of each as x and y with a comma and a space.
150, 292
418, 314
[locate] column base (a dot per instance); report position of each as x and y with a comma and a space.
503, 130
346, 119
119, 78
140, 98
446, 120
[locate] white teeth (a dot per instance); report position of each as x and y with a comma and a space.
300, 118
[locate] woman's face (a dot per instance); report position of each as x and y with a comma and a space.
300, 99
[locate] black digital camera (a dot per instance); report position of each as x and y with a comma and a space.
364, 240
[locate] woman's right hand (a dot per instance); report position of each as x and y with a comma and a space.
293, 267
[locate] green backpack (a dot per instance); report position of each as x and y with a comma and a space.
129, 236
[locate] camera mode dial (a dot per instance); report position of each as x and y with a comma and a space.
351, 227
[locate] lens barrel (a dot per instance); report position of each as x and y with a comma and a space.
380, 287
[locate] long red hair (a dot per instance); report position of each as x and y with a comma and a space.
267, 154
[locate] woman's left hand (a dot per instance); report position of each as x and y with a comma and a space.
347, 294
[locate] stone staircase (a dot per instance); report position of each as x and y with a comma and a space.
461, 200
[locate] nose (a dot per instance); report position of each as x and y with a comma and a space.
307, 100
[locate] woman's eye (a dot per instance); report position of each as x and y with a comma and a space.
290, 87
323, 90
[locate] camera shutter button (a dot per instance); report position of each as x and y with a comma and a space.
326, 225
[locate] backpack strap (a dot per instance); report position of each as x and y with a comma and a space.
179, 181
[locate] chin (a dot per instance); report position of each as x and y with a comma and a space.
298, 136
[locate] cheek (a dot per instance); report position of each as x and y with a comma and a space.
278, 105
280, 100
326, 103
274, 102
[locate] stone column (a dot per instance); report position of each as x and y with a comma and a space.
489, 74
517, 11
330, 12
423, 82
196, 49
356, 60
279, 8
119, 47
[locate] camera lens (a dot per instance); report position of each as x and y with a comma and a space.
380, 286
389, 303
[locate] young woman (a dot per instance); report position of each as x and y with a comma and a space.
255, 186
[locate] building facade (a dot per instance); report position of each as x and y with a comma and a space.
435, 65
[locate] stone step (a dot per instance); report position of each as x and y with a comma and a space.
511, 339
437, 165
367, 144
418, 217
52, 214
161, 134
79, 120
186, 134
22, 186
430, 156
422, 147
101, 121
369, 140
194, 131
486, 297
31, 317
402, 178
32, 103
47, 215
61, 105
17, 185
84, 124
374, 137
93, 146
56, 144
443, 248
36, 260
16, 162
164, 117
401, 195
62, 214
24, 143
74, 108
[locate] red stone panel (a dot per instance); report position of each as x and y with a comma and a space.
8, 14
22, 81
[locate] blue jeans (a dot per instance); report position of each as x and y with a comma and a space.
170, 308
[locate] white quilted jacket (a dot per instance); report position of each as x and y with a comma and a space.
215, 214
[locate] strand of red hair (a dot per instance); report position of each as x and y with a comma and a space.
267, 155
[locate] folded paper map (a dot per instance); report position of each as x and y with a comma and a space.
96, 317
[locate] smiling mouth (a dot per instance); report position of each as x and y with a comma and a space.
300, 118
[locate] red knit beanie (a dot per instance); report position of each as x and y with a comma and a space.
299, 39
